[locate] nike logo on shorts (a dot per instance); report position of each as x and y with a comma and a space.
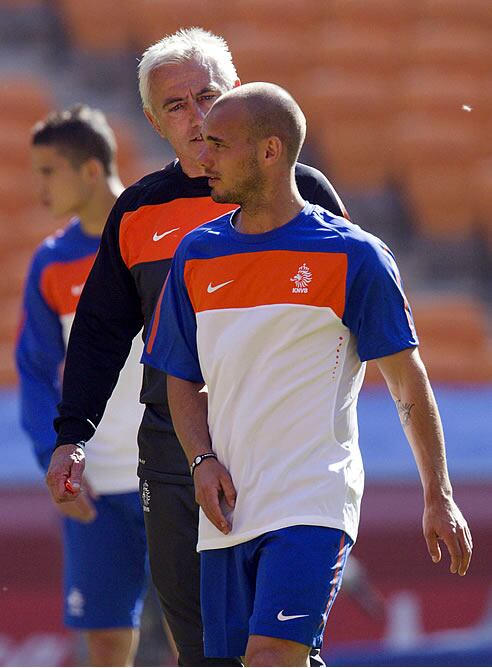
285, 618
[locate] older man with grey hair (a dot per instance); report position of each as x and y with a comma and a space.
180, 78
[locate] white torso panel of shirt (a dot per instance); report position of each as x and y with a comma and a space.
282, 416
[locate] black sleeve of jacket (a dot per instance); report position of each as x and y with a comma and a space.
315, 187
107, 319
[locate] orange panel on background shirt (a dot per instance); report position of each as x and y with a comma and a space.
62, 283
268, 277
153, 231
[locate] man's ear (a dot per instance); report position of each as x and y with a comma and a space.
154, 122
273, 149
92, 169
237, 83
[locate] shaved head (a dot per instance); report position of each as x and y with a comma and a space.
268, 111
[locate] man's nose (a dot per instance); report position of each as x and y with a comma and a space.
204, 157
197, 114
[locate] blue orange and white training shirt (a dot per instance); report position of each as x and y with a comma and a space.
279, 326
56, 277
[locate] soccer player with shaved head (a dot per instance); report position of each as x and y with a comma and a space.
276, 307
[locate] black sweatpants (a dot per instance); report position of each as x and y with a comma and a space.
171, 523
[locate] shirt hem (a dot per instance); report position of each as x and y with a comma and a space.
168, 478
390, 350
103, 490
310, 520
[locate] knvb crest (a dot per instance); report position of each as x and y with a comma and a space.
302, 279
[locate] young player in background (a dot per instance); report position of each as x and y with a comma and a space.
73, 155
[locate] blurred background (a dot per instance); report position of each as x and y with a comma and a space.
398, 97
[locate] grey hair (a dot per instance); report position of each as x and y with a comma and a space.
187, 44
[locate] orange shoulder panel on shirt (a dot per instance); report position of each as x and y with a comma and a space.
268, 277
153, 231
62, 283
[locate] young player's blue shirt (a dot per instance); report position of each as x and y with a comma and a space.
55, 281
279, 325
56, 277
40, 347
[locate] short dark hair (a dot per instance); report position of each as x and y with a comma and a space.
82, 132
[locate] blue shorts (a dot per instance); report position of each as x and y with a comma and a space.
105, 565
281, 584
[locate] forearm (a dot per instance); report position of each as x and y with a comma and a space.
421, 422
409, 385
38, 397
213, 483
188, 406
39, 353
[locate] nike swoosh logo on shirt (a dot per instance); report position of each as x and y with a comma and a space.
158, 237
285, 618
212, 288
76, 290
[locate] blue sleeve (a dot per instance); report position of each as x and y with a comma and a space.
376, 309
39, 353
171, 343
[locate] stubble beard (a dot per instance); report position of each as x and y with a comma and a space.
248, 192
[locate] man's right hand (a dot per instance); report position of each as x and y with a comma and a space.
67, 464
213, 488
81, 508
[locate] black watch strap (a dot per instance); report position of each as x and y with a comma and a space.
199, 459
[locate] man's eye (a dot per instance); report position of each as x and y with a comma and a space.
176, 107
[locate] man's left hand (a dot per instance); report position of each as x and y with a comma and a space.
443, 520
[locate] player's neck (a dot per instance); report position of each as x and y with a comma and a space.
274, 207
94, 214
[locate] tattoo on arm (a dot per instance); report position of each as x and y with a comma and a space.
404, 410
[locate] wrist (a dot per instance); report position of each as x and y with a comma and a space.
438, 492
199, 459
77, 443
